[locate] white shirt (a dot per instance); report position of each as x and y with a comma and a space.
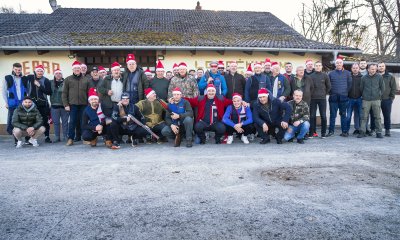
116, 88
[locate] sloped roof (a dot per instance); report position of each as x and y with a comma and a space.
80, 27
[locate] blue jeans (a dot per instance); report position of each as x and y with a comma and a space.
58, 114
356, 105
302, 129
75, 116
334, 106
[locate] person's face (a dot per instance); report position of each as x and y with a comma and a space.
247, 75
94, 102
39, 73
177, 96
339, 64
237, 102
27, 103
95, 75
267, 67
381, 67
297, 96
160, 73
263, 99
83, 69
214, 69
363, 65
116, 73
102, 74
318, 67
125, 101
309, 66
76, 70
276, 69
149, 76
211, 93
193, 73
372, 70
131, 66
58, 75
152, 97
355, 69
182, 71
176, 71
200, 73
300, 72
233, 67
258, 69
169, 75
288, 68
221, 69
17, 70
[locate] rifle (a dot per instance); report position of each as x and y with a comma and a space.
135, 120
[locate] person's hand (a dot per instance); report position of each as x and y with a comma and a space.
237, 126
284, 125
171, 100
175, 116
282, 98
297, 123
128, 119
265, 127
30, 131
37, 83
99, 128
175, 128
245, 104
67, 108
210, 79
240, 130
110, 92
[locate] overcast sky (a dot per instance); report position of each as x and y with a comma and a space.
286, 10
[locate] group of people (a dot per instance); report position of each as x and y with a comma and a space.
184, 104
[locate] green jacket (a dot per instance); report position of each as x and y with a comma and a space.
24, 119
372, 87
103, 87
56, 95
390, 86
153, 112
75, 90
300, 111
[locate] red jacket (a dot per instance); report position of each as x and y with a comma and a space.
200, 103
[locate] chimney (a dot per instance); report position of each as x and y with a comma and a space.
198, 7
53, 5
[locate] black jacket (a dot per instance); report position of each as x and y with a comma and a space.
355, 90
39, 94
273, 113
236, 84
322, 85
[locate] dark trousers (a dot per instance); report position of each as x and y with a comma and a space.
333, 109
218, 127
248, 129
271, 131
89, 135
356, 105
386, 106
9, 120
187, 128
117, 131
75, 118
45, 112
156, 129
321, 105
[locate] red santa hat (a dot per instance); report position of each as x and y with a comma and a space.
130, 58
76, 64
263, 92
115, 65
309, 61
274, 63
102, 69
257, 64
148, 92
93, 94
147, 72
221, 64
182, 65
57, 71
236, 95
176, 90
160, 66
249, 69
39, 67
210, 86
339, 58
175, 66
267, 60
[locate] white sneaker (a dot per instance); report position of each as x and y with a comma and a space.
34, 142
245, 140
19, 144
230, 140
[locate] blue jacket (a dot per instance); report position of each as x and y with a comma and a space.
231, 116
340, 82
274, 114
253, 84
219, 83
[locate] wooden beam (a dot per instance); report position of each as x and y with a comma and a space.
41, 52
222, 52
299, 53
193, 52
276, 53
248, 52
9, 52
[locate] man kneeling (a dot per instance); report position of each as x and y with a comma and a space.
300, 118
124, 124
180, 120
93, 121
27, 121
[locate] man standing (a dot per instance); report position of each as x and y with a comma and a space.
255, 83
149, 74
355, 101
372, 88
289, 72
27, 121
111, 89
169, 75
134, 80
38, 89
338, 97
214, 76
175, 70
300, 118
249, 72
84, 69
199, 75
57, 107
267, 68
14, 90
322, 87
234, 81
185, 82
180, 120
309, 67
94, 78
387, 97
279, 84
363, 66
102, 72
74, 98
270, 113
221, 67
159, 83
304, 83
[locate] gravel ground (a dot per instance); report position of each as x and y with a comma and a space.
334, 188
